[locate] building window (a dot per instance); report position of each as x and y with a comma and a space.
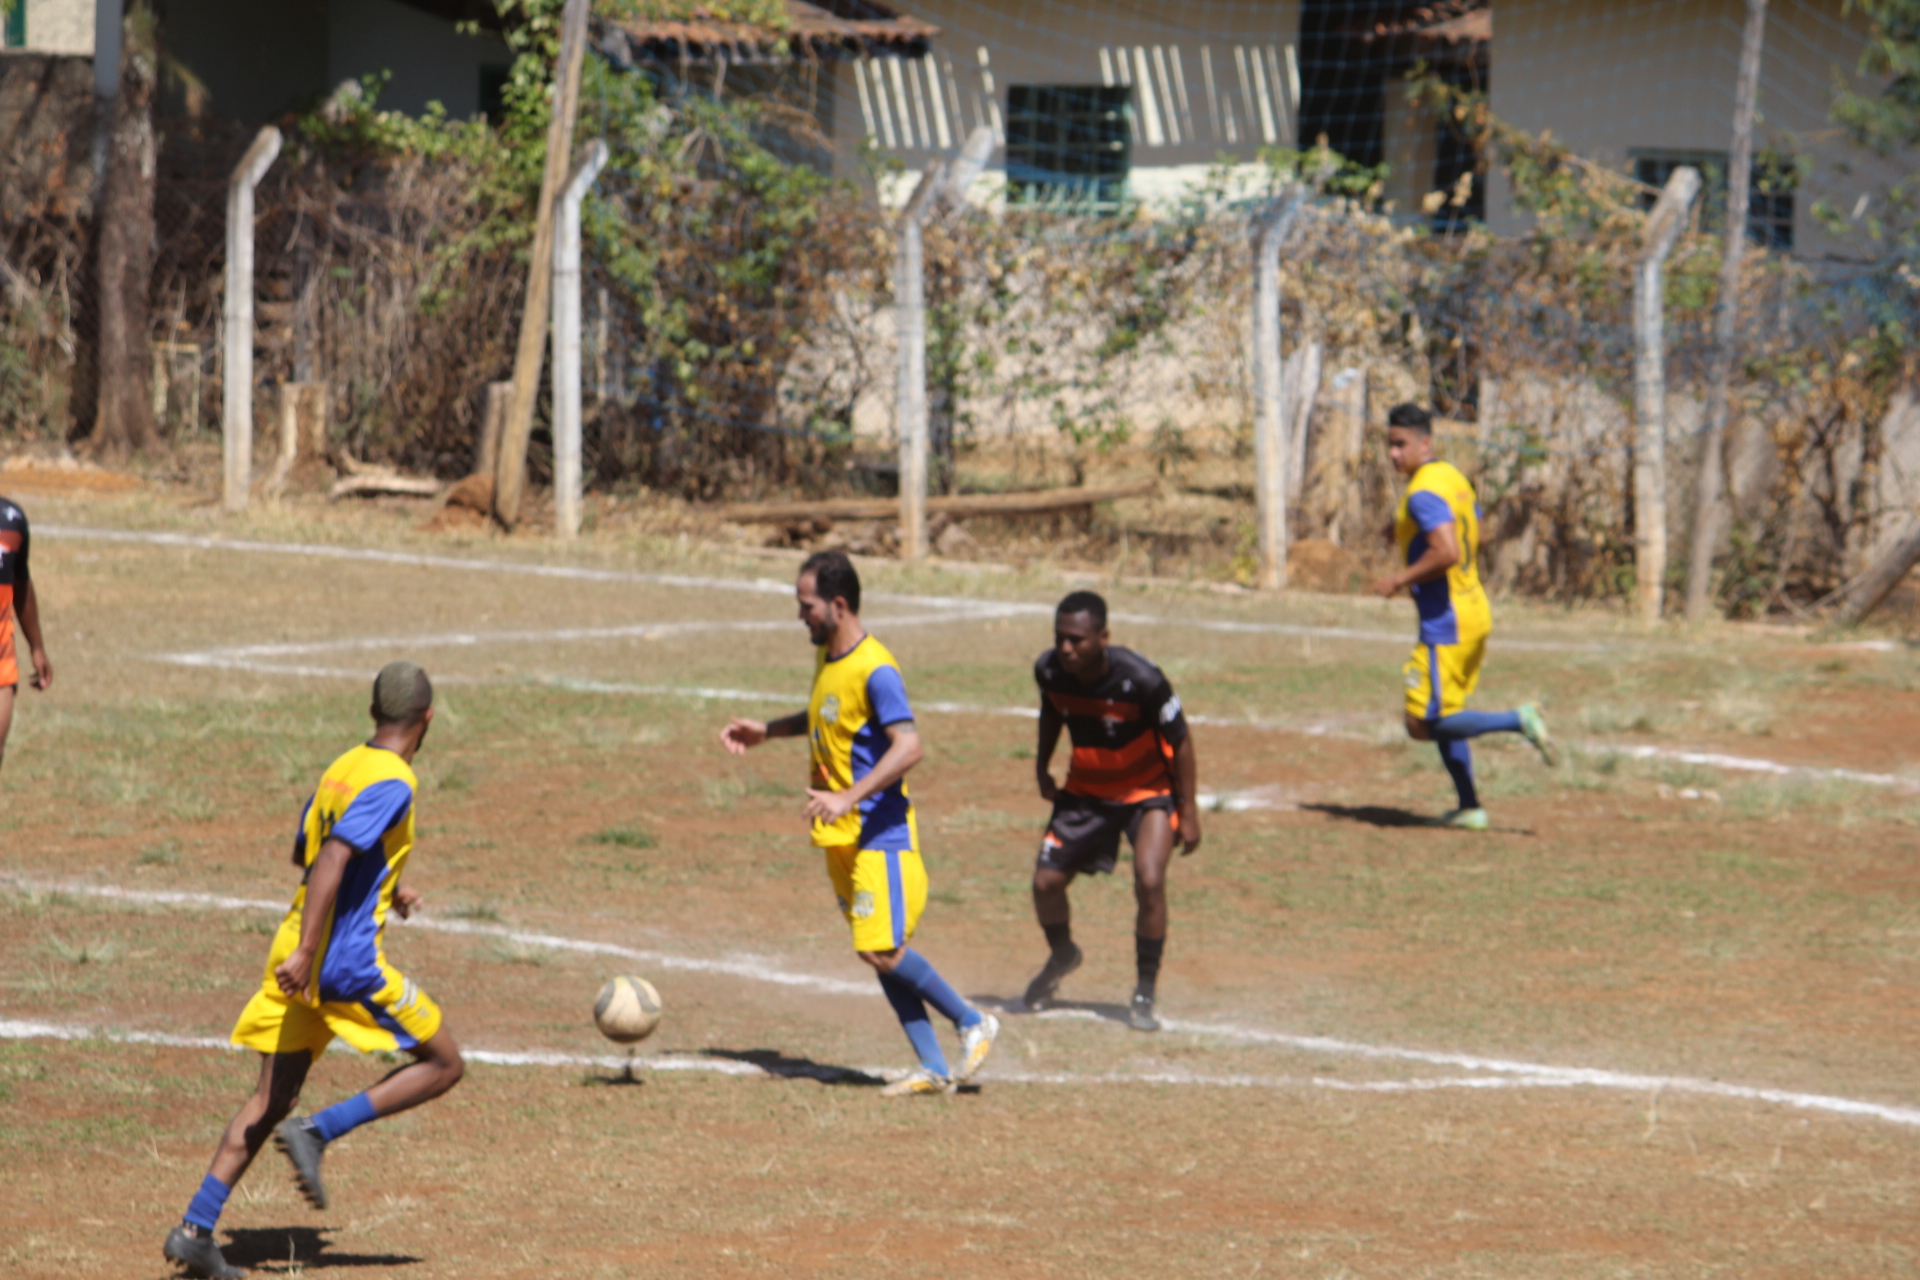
1068, 144
1770, 195
16, 26
493, 93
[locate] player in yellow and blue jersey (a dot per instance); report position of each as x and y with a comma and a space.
1436, 528
327, 973
861, 734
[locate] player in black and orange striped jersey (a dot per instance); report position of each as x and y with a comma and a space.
17, 600
1132, 770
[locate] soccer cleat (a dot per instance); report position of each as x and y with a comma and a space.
199, 1255
1040, 991
921, 1081
1465, 819
1534, 726
304, 1149
1140, 1013
976, 1042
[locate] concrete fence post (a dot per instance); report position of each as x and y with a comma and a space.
1664, 225
948, 178
1270, 229
236, 371
566, 341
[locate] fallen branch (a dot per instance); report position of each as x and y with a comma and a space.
373, 484
1880, 580
1034, 503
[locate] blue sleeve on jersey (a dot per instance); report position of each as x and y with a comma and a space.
887, 695
1429, 510
372, 814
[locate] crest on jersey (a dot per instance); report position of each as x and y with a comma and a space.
830, 708
862, 905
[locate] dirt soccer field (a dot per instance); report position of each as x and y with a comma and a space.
1662, 1021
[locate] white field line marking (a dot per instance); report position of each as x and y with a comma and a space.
757, 586
18, 1030
1511, 1073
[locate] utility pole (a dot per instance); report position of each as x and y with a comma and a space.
510, 467
1709, 495
566, 343
1270, 230
1664, 225
236, 367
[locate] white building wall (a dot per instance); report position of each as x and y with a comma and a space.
60, 26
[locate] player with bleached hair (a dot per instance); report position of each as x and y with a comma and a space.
327, 974
862, 738
1436, 528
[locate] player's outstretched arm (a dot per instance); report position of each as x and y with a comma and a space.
740, 733
1186, 773
903, 752
29, 615
295, 973
1050, 726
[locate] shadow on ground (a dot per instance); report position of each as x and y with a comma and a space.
1104, 1009
1374, 815
288, 1249
779, 1064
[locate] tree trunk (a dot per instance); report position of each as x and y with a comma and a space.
124, 416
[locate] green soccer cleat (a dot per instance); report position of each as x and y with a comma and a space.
198, 1255
1466, 820
1534, 726
921, 1081
976, 1042
303, 1148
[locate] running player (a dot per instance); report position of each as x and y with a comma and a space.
1437, 530
17, 599
860, 730
327, 974
1132, 770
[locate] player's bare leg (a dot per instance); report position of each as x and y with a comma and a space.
436, 1067
6, 717
1152, 851
191, 1244
1055, 914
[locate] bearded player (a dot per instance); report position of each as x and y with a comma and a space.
860, 730
327, 974
1437, 530
17, 600
1132, 770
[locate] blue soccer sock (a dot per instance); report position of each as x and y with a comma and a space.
1462, 725
343, 1118
912, 1012
1458, 757
923, 978
208, 1201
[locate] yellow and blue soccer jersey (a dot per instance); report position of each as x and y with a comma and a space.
365, 800
855, 697
1453, 609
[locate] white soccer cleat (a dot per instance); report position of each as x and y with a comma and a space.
976, 1042
919, 1082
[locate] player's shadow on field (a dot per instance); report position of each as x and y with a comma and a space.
1378, 815
298, 1248
1106, 1010
775, 1063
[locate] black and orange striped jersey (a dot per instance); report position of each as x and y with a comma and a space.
1125, 728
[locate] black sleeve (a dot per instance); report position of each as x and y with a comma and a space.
1164, 706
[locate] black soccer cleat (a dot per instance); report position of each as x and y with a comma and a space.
304, 1149
1040, 991
1140, 1013
199, 1255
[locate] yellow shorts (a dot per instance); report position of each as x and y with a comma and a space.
1441, 677
881, 894
398, 1016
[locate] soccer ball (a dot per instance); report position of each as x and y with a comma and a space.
628, 1010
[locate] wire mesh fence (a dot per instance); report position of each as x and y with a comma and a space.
1479, 183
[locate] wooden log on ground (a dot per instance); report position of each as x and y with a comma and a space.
1033, 503
369, 484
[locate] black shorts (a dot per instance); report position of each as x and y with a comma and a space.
1084, 836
